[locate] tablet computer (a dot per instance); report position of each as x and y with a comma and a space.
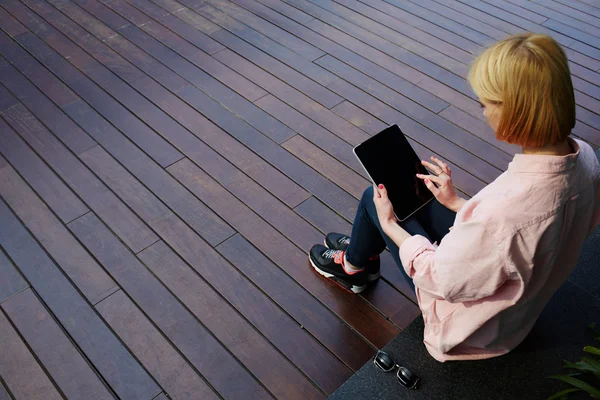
389, 159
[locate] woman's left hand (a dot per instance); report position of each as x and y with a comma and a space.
385, 212
387, 219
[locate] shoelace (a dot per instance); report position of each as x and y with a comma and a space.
344, 240
337, 255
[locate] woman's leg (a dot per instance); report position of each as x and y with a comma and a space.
368, 239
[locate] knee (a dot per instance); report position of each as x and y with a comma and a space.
367, 198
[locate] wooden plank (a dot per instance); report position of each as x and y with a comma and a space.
280, 329
264, 43
264, 60
375, 32
204, 221
322, 216
208, 64
311, 131
10, 25
587, 133
23, 375
7, 100
320, 322
585, 87
263, 173
147, 139
442, 144
580, 59
267, 29
462, 19
49, 187
148, 344
421, 93
586, 50
294, 98
590, 19
573, 32
588, 102
302, 174
47, 111
589, 76
326, 165
85, 273
122, 373
549, 13
175, 233
53, 348
220, 369
484, 17
422, 62
493, 156
242, 107
517, 20
440, 34
104, 203
3, 393
11, 281
360, 118
477, 128
279, 249
365, 65
578, 5
467, 183
373, 125
523, 12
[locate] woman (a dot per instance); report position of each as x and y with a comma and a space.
509, 248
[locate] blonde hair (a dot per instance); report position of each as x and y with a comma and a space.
529, 75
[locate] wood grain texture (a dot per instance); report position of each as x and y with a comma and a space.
53, 348
162, 360
11, 281
85, 273
220, 369
48, 186
118, 368
20, 370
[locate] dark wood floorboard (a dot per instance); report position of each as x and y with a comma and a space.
165, 165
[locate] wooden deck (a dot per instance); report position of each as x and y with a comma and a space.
167, 164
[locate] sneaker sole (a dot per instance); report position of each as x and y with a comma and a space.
344, 285
370, 277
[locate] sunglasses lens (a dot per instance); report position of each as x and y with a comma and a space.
407, 378
384, 361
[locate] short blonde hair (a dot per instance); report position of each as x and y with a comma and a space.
529, 75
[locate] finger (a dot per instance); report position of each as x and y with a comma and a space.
376, 193
433, 168
382, 191
433, 178
431, 187
441, 164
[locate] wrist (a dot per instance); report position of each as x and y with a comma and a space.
455, 204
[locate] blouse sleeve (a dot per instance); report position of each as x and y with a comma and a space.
466, 266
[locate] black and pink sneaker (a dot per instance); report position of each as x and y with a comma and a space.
338, 241
330, 264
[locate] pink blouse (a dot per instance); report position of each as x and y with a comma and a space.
512, 246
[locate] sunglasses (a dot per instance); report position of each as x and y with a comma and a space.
385, 363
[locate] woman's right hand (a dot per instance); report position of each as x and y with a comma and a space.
444, 192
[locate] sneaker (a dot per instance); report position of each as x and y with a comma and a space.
338, 241
329, 263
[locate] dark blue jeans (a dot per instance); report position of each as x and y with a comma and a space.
367, 240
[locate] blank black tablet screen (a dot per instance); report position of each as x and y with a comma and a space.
389, 159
